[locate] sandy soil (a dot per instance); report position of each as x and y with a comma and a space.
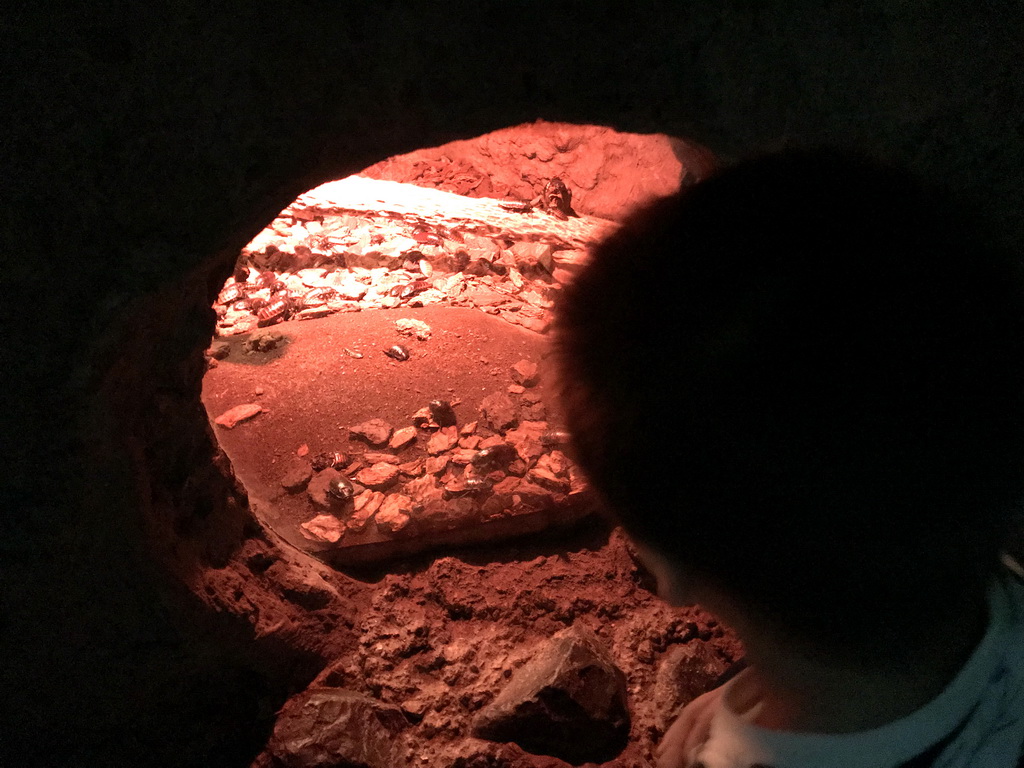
438, 633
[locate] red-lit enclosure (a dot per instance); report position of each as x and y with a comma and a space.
380, 381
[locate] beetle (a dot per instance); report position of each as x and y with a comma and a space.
278, 309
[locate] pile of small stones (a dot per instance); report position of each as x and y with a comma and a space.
381, 265
507, 462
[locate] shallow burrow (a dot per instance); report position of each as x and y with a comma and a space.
407, 514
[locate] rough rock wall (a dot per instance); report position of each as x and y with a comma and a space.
608, 172
145, 144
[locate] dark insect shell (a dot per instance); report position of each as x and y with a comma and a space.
495, 456
413, 288
441, 411
554, 437
256, 303
328, 460
279, 287
318, 296
397, 352
341, 488
231, 294
277, 310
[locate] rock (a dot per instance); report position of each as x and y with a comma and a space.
534, 411
463, 456
312, 277
296, 477
409, 327
412, 468
233, 416
336, 728
534, 253
686, 672
218, 350
563, 276
375, 431
543, 477
442, 440
314, 313
435, 465
555, 462
507, 486
365, 506
568, 701
532, 496
525, 372
318, 489
394, 514
499, 411
262, 341
445, 515
373, 457
481, 248
537, 299
379, 476
482, 296
326, 528
535, 324
402, 437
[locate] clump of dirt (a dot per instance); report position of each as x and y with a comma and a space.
439, 637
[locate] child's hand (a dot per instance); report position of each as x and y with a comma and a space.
678, 748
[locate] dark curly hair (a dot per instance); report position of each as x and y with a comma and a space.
802, 380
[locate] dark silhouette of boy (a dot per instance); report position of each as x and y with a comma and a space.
799, 386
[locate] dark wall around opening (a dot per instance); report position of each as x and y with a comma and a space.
143, 144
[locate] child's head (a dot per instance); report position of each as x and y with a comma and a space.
802, 382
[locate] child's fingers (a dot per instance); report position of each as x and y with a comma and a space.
688, 732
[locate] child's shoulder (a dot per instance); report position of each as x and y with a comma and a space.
977, 721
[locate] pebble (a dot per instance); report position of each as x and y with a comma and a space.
379, 476
525, 373
234, 416
375, 431
325, 528
402, 437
